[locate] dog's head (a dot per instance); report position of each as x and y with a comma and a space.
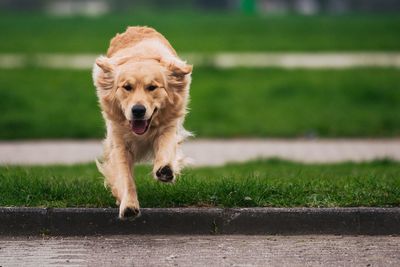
138, 90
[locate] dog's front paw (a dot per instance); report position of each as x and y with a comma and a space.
165, 174
129, 211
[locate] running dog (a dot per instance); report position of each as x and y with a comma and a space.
143, 90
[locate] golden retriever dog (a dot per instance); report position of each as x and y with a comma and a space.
143, 89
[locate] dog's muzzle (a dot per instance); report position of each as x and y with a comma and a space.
139, 125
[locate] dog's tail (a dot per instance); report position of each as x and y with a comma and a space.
183, 160
100, 166
183, 134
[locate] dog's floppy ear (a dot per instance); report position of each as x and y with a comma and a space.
177, 78
104, 80
103, 73
104, 64
180, 70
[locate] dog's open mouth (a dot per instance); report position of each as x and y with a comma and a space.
140, 127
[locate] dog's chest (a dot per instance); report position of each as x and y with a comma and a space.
141, 149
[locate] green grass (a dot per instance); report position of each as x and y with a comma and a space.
201, 32
271, 183
41, 103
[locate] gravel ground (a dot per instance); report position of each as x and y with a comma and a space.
201, 251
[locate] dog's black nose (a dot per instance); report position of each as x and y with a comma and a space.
138, 111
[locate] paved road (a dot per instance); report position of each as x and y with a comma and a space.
201, 251
211, 152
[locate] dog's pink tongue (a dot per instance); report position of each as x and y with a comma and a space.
139, 126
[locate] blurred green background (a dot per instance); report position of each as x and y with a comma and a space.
43, 102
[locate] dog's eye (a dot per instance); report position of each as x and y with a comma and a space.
127, 87
151, 87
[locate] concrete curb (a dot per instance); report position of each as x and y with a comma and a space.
248, 221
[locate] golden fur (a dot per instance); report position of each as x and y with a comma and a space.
136, 60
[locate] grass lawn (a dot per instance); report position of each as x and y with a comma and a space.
203, 32
270, 183
42, 103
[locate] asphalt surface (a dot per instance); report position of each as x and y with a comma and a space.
207, 152
149, 250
